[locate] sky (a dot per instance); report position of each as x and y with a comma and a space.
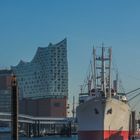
28, 24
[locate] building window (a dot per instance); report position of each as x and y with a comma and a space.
57, 104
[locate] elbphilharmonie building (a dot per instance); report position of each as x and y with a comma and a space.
43, 82
46, 76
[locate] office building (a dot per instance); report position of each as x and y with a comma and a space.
5, 90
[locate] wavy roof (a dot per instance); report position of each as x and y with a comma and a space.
43, 50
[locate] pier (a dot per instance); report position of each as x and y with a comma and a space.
37, 126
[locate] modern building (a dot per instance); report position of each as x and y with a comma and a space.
44, 80
5, 90
46, 76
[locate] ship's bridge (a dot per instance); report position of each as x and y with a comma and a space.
122, 97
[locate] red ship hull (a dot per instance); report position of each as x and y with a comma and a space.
103, 135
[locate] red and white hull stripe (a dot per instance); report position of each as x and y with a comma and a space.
103, 135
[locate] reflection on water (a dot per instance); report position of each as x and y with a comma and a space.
7, 137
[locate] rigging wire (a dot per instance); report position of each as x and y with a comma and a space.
132, 91
115, 69
88, 75
135, 104
133, 97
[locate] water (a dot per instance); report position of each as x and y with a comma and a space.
7, 137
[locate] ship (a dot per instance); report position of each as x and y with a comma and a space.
103, 113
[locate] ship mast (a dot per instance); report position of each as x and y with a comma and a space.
95, 75
110, 60
102, 70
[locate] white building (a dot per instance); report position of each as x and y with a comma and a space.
46, 76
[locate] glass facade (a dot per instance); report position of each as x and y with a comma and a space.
46, 76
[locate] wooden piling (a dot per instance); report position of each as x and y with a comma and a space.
14, 109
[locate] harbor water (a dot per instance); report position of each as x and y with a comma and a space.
7, 137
